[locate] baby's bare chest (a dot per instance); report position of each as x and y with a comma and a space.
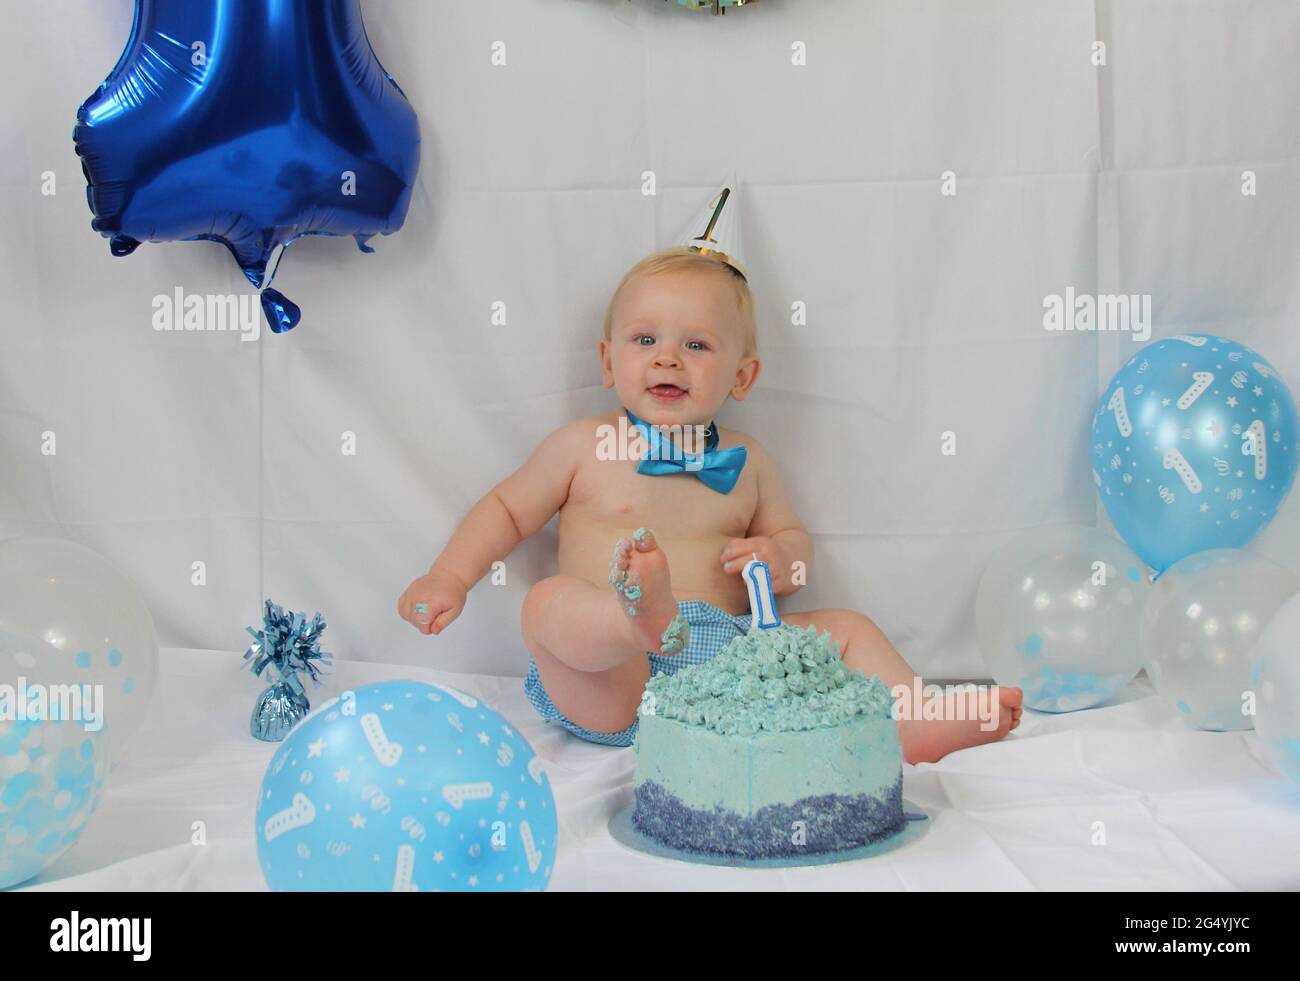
611, 492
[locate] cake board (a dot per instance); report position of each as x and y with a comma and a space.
915, 824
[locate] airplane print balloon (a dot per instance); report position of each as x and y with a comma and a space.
251, 124
406, 787
1193, 447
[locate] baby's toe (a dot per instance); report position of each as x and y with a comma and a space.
631, 587
619, 560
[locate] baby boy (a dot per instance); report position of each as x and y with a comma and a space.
679, 340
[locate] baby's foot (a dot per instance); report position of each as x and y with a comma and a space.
929, 739
638, 571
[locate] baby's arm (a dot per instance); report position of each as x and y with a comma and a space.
775, 533
511, 511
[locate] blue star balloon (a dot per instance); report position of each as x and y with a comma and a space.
408, 787
1193, 447
250, 124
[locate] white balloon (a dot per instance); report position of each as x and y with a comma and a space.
1057, 615
1200, 627
52, 765
74, 600
1276, 682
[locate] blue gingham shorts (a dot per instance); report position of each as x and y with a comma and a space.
711, 629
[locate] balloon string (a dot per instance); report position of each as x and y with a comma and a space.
261, 475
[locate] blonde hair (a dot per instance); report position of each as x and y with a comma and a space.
683, 257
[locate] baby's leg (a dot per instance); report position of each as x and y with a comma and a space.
924, 740
590, 651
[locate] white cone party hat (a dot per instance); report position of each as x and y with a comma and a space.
716, 229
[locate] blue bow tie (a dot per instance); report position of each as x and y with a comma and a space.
719, 469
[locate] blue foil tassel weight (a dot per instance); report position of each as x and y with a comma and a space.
278, 710
288, 643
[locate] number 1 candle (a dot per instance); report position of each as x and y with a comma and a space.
762, 598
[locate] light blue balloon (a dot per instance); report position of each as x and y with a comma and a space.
53, 759
45, 805
1193, 447
405, 786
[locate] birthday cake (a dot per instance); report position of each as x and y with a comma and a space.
772, 748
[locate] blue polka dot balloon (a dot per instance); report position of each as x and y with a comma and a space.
52, 763
1193, 447
92, 616
1057, 613
407, 787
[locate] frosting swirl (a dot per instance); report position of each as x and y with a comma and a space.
784, 679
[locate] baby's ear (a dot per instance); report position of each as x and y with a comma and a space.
606, 367
746, 375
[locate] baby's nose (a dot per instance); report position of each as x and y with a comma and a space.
667, 356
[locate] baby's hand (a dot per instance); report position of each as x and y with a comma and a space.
739, 551
432, 601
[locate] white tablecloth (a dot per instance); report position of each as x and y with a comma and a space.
1121, 797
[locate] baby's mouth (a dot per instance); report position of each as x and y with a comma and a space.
666, 393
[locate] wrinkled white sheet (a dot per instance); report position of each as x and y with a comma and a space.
924, 312
1180, 809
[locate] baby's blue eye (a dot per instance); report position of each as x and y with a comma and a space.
646, 340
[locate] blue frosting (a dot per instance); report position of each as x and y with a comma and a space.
784, 679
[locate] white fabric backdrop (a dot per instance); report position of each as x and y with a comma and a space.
924, 311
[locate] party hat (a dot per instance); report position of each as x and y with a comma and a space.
716, 230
